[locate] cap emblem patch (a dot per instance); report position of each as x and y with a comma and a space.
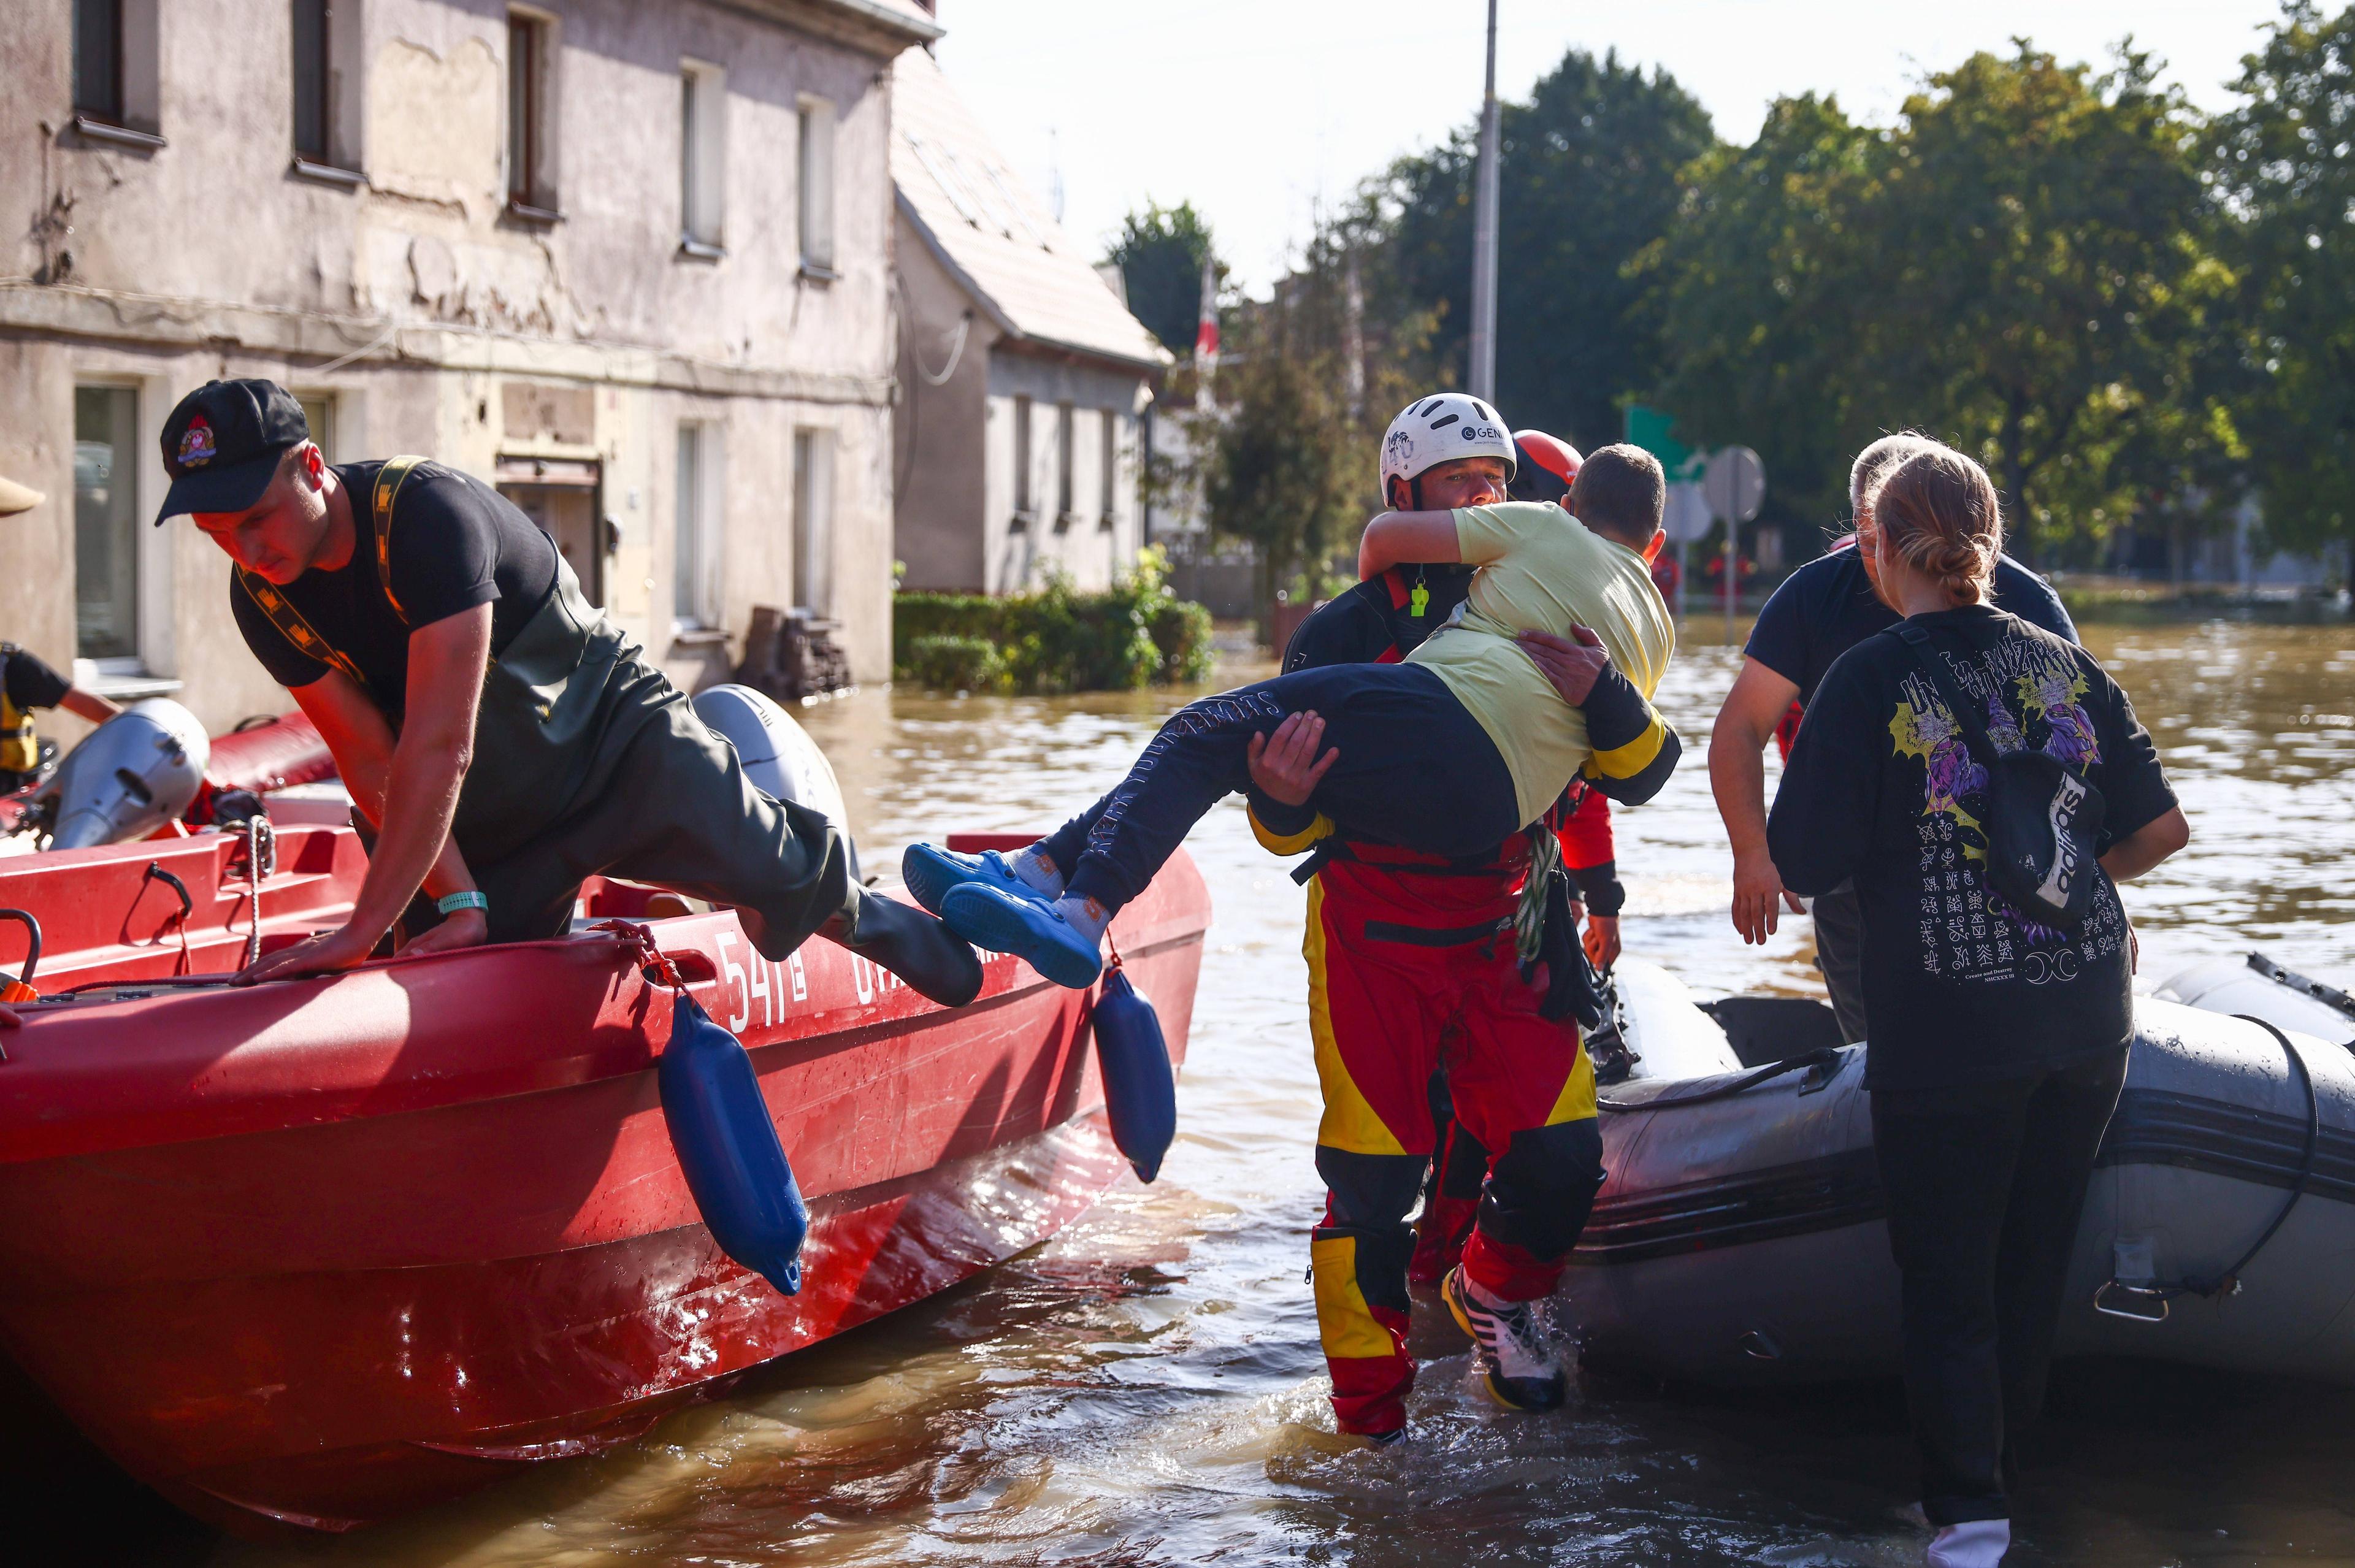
197, 443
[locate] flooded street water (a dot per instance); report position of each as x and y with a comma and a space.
1148, 1388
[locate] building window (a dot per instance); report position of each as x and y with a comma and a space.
531, 116
114, 67
1108, 464
703, 155
814, 521
695, 560
1064, 446
315, 81
106, 524
319, 413
1021, 464
817, 186
97, 59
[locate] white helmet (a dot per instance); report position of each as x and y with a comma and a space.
1435, 430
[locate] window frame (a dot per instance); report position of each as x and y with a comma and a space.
813, 481
694, 538
126, 446
1108, 460
1023, 509
532, 170
814, 194
1066, 452
702, 159
129, 115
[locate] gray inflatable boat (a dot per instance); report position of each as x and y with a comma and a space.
1739, 1236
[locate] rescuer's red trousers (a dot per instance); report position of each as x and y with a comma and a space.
1410, 967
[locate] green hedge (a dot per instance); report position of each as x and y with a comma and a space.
1133, 635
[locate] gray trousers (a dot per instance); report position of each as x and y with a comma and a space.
1839, 954
674, 809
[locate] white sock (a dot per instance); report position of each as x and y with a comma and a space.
1979, 1544
1033, 869
1084, 915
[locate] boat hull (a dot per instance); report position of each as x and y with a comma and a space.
315, 1254
1744, 1242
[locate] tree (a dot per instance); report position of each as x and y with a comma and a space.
1160, 254
2036, 238
1756, 286
2283, 162
1588, 179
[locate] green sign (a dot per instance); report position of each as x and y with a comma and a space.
1654, 431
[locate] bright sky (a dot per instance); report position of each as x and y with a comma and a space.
1257, 109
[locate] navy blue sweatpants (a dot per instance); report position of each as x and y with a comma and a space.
1416, 770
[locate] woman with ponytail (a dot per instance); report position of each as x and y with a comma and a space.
1998, 1042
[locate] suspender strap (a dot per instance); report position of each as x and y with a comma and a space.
281, 611
386, 489
291, 625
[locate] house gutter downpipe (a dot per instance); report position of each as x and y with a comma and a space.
1483, 236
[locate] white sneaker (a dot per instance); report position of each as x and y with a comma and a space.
1516, 1357
1980, 1543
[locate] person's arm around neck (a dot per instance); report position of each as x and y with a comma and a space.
1394, 539
414, 790
1737, 776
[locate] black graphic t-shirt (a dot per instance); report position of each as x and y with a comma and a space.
1828, 606
456, 543
29, 681
1881, 788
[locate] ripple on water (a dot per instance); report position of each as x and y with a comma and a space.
1147, 1387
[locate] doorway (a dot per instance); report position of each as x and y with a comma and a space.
561, 496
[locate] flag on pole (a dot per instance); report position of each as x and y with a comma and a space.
1206, 332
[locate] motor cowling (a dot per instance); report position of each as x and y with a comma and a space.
778, 754
133, 774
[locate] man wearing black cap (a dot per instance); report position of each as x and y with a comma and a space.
503, 738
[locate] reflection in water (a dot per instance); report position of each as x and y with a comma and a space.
1148, 1388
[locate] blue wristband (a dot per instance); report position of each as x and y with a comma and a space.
451, 903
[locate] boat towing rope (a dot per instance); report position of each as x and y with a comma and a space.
2116, 1298
1822, 1056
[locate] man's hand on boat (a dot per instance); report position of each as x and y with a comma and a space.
1284, 765
331, 952
1571, 663
1602, 939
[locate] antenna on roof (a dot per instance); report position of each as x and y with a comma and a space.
1055, 172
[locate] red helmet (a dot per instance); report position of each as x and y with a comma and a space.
1547, 468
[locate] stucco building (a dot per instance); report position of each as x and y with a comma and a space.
632, 262
1023, 378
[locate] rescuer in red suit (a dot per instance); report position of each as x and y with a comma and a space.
1401, 981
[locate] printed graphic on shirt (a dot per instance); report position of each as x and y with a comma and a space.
1967, 931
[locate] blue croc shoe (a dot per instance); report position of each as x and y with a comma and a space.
930, 872
1018, 921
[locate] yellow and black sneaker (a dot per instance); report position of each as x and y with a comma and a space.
1518, 1357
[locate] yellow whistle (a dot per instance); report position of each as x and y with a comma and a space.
1418, 601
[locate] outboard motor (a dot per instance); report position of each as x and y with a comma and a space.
133, 773
779, 757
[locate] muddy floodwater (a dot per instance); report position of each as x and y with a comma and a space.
1148, 1388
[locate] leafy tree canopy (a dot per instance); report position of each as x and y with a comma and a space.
1160, 254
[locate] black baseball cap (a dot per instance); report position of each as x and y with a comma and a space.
222, 444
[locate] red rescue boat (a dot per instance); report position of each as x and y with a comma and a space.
314, 1253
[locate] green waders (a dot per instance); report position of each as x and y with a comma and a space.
588, 760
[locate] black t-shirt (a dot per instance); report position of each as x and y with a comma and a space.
1828, 606
1881, 788
29, 681
456, 543
1375, 616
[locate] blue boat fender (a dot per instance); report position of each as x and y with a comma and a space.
735, 1164
1140, 1089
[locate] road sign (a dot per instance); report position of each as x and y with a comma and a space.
1734, 483
1686, 515
1651, 430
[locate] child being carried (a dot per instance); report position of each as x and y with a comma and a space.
1449, 753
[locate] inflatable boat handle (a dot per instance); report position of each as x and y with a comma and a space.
2161, 1292
1822, 1056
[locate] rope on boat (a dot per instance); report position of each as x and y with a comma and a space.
1822, 1056
2160, 1292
